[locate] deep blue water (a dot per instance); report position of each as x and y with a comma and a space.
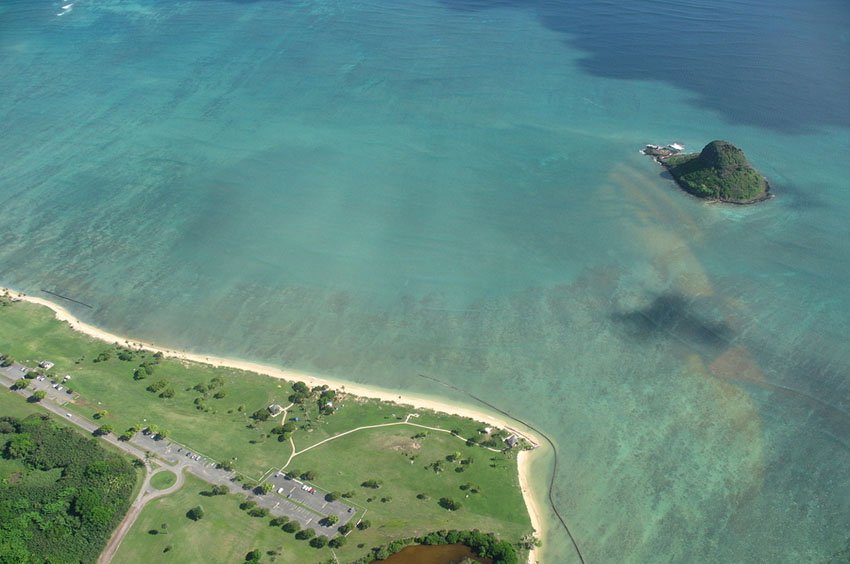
374, 190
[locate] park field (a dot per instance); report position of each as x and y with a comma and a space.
416, 457
224, 534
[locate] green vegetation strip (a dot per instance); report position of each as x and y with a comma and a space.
61, 494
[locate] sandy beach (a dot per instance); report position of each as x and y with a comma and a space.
415, 400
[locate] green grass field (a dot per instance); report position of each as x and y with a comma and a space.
163, 479
401, 463
398, 456
224, 534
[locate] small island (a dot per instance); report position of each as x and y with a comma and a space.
720, 173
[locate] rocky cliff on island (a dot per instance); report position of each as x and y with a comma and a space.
720, 172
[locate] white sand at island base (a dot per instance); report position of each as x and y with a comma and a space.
524, 458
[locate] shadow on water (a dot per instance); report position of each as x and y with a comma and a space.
671, 315
743, 60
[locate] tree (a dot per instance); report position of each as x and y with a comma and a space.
21, 384
196, 513
219, 394
449, 503
162, 434
37, 396
7, 361
337, 542
309, 475
253, 556
373, 484
319, 542
364, 524
332, 496
291, 527
279, 521
258, 512
345, 529
330, 520
126, 436
267, 487
260, 415
247, 504
167, 393
103, 430
305, 534
100, 414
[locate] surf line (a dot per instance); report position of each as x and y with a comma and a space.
542, 434
66, 298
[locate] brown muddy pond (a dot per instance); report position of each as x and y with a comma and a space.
433, 554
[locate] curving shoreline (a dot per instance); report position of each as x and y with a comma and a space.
524, 458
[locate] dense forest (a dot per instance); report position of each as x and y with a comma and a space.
61, 494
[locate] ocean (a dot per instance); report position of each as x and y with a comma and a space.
377, 191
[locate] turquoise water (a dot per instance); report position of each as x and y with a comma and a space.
375, 190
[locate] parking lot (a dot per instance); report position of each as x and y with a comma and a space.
292, 501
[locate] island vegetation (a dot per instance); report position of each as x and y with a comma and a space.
720, 172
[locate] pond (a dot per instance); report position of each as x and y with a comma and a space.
433, 554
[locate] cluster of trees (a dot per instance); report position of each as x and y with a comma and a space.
300, 392
71, 518
326, 401
216, 490
163, 387
485, 545
308, 475
284, 431
449, 503
213, 388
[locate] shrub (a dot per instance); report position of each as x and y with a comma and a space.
279, 521
373, 484
196, 513
449, 503
337, 542
37, 396
305, 534
319, 542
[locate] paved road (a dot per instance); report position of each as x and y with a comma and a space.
148, 493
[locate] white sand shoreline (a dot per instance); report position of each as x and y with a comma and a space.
419, 401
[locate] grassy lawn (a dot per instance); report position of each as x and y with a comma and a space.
14, 405
224, 534
353, 411
163, 479
399, 456
400, 463
30, 334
